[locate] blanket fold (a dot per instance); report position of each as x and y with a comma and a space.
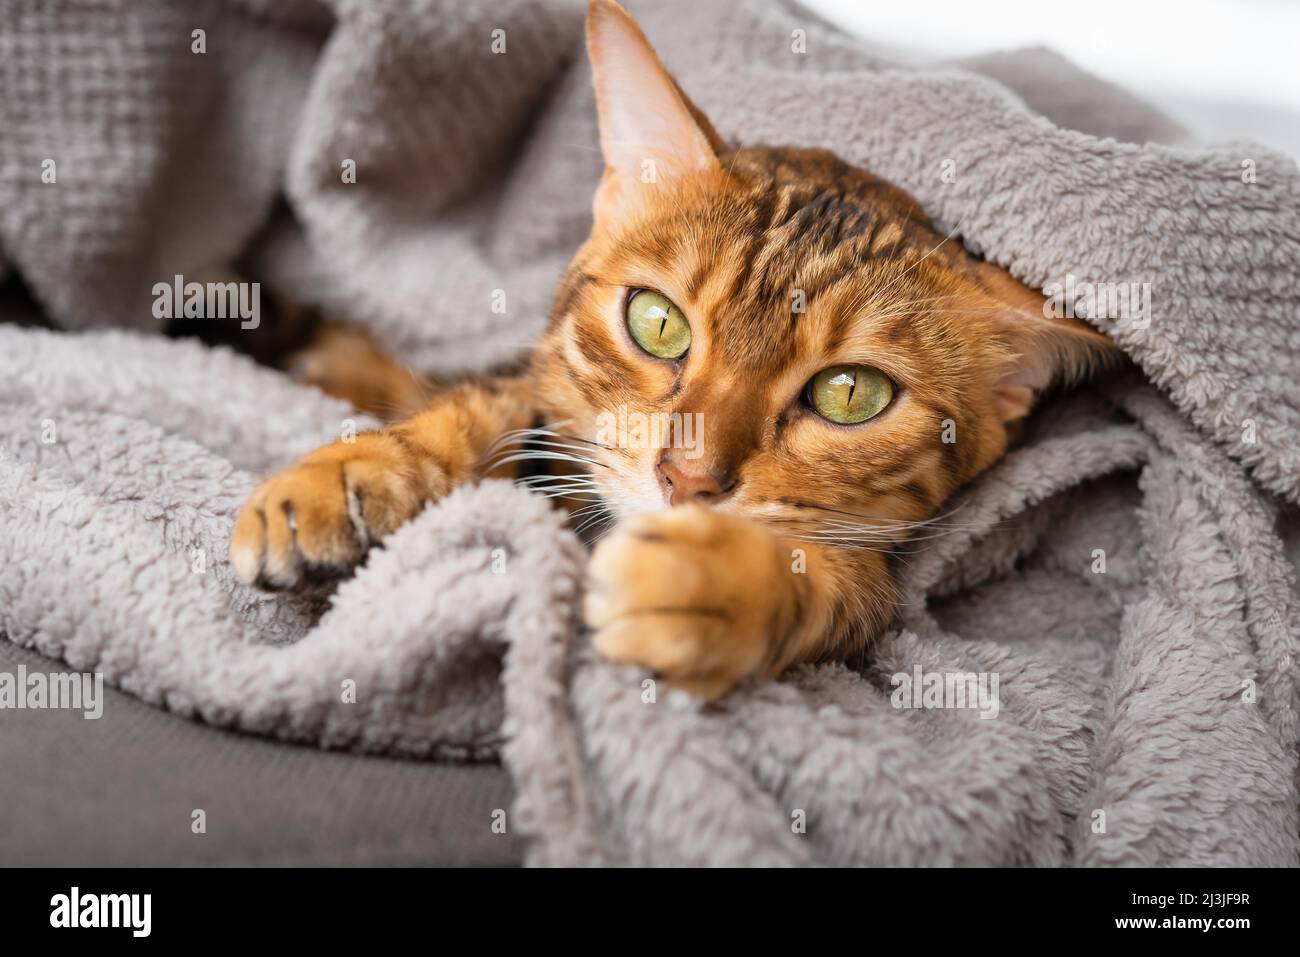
1123, 575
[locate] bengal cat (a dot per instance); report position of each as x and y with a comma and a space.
849, 366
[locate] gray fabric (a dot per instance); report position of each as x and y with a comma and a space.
1121, 692
121, 791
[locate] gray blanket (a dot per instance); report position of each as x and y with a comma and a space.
1123, 575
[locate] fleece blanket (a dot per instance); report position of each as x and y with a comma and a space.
1118, 591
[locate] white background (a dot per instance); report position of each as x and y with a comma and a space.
1225, 68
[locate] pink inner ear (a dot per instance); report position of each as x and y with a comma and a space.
1013, 401
1017, 391
642, 117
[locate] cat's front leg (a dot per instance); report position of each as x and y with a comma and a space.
318, 518
706, 599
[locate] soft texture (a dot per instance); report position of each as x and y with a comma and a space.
1159, 696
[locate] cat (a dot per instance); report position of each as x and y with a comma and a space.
850, 368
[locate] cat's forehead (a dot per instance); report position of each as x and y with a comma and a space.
798, 241
789, 219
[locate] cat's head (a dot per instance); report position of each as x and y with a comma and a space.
773, 331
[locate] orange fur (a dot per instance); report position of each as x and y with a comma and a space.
346, 362
784, 262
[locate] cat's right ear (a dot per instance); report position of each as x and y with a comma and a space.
649, 131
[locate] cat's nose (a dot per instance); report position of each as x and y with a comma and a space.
684, 482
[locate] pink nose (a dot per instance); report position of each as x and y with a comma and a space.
682, 484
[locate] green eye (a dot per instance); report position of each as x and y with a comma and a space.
657, 325
849, 394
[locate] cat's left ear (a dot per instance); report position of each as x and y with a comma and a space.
1041, 348
649, 130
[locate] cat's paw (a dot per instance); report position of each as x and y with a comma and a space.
694, 595
318, 519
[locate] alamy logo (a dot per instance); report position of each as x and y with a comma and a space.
658, 430
103, 910
208, 300
946, 689
36, 690
1077, 299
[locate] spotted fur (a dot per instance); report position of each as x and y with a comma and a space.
784, 261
